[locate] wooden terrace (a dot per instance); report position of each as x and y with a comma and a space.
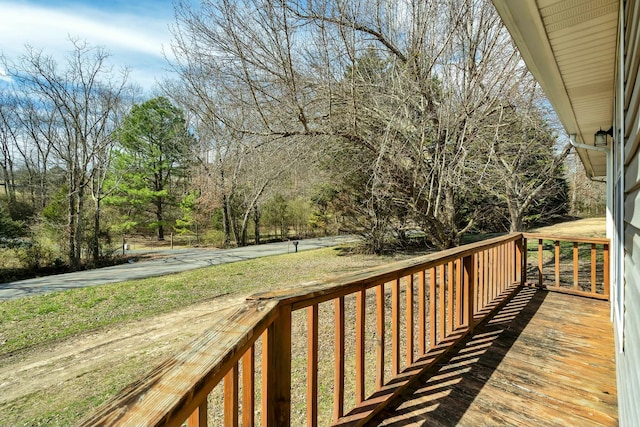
545, 359
459, 337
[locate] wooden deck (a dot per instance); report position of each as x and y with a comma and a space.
546, 359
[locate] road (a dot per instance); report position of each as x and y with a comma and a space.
177, 260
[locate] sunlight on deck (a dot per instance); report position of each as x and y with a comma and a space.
545, 359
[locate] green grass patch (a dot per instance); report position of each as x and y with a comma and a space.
43, 319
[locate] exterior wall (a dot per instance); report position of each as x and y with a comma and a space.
628, 361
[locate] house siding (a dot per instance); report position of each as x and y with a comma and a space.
628, 361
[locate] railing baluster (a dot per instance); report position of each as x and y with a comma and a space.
361, 299
501, 268
505, 268
512, 250
432, 308
422, 319
506, 255
450, 295
540, 262
488, 277
199, 417
248, 387
276, 370
478, 295
605, 269
460, 295
593, 268
576, 265
557, 262
486, 283
312, 365
525, 261
494, 273
519, 261
498, 268
512, 261
409, 320
380, 321
338, 383
231, 397
469, 270
481, 279
443, 286
395, 327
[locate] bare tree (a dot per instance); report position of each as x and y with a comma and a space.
237, 167
518, 162
8, 142
402, 89
588, 197
77, 103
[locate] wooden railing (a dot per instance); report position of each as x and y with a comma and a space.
330, 352
577, 266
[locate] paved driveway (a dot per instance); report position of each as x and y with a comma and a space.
177, 261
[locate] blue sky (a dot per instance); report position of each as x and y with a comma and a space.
136, 32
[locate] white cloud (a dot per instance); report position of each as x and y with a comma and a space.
134, 40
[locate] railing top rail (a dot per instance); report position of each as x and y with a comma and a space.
171, 392
322, 290
596, 240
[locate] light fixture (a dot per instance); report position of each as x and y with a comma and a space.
600, 137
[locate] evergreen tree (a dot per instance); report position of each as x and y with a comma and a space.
153, 153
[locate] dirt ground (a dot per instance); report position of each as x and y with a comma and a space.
90, 367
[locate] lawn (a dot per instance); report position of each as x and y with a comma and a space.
39, 320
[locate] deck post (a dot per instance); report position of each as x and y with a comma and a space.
276, 371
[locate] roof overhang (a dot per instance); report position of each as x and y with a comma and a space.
570, 48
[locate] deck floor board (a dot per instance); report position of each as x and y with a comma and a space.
546, 359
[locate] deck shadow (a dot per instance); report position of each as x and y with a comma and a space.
444, 394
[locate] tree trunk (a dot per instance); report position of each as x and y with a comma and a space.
516, 219
256, 224
159, 219
95, 245
243, 234
9, 188
79, 228
236, 231
226, 223
71, 215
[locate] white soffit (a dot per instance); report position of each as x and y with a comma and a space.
570, 48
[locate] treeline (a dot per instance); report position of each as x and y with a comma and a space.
392, 120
